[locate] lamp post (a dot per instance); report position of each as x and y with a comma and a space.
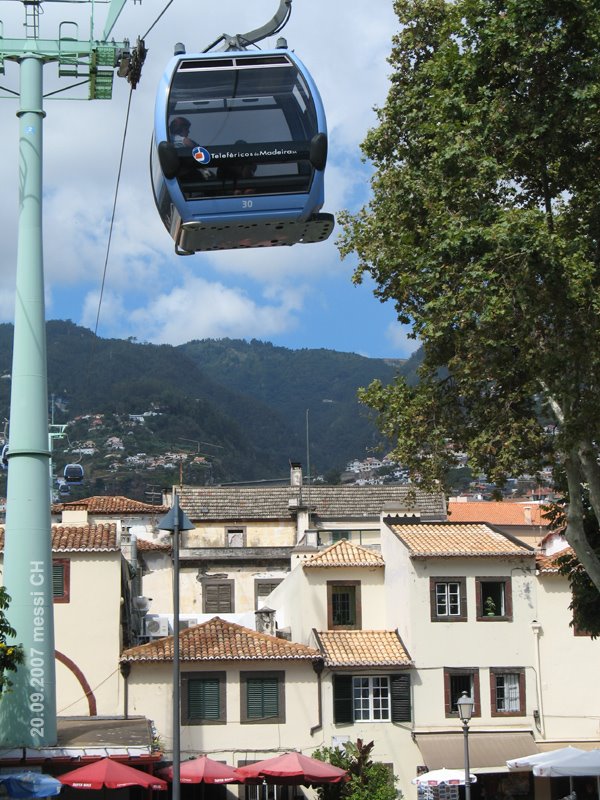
175, 522
465, 712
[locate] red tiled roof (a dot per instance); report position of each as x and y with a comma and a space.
451, 539
497, 512
218, 640
99, 504
89, 538
345, 554
362, 649
545, 563
145, 545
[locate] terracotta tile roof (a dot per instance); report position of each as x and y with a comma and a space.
452, 539
87, 538
545, 563
145, 545
362, 649
328, 502
497, 513
345, 554
117, 504
218, 640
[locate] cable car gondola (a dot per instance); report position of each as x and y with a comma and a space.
73, 474
239, 151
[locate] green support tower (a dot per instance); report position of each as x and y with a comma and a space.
28, 712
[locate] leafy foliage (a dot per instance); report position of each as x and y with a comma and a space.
484, 229
11, 655
585, 604
369, 780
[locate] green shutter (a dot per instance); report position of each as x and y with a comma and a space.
343, 709
401, 701
204, 699
58, 580
262, 698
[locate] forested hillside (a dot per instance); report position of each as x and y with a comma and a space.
241, 407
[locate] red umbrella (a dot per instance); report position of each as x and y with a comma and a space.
110, 774
203, 770
293, 768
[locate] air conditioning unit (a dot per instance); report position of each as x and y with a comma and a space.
156, 627
184, 624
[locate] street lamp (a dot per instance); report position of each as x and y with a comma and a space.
176, 521
465, 712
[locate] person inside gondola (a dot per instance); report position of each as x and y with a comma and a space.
179, 128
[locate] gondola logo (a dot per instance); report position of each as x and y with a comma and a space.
201, 155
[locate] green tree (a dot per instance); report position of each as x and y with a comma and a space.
484, 230
11, 655
369, 780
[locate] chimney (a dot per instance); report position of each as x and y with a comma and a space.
527, 514
265, 620
295, 474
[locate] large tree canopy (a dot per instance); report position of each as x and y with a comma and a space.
484, 229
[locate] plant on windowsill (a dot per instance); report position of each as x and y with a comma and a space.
489, 607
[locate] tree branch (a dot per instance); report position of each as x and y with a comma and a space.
575, 530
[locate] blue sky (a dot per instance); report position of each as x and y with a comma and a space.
295, 297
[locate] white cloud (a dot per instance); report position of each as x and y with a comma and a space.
199, 309
398, 337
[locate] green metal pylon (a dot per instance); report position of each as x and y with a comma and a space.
28, 711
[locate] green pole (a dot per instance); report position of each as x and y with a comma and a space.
28, 711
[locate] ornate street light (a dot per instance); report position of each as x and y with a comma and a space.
465, 712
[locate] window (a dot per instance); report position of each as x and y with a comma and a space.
448, 599
203, 698
372, 698
343, 605
494, 599
262, 697
61, 580
507, 686
457, 681
217, 597
235, 537
263, 588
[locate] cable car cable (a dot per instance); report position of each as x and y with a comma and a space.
114, 208
157, 19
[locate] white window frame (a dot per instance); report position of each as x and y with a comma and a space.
371, 698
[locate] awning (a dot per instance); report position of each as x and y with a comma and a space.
488, 752
582, 744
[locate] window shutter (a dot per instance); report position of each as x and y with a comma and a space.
400, 691
218, 598
343, 710
58, 580
263, 698
203, 699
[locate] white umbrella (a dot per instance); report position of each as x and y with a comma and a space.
437, 777
584, 763
529, 762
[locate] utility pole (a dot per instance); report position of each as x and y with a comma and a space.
28, 712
